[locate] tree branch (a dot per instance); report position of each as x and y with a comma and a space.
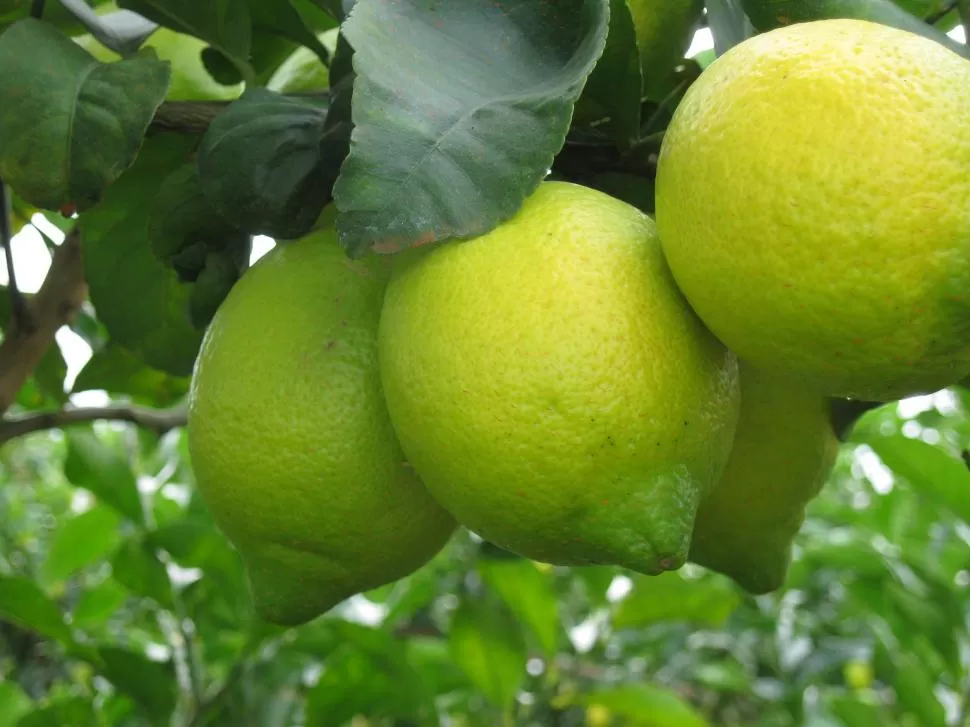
156, 420
194, 117
58, 300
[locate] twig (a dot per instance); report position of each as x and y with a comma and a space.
155, 420
194, 117
56, 303
17, 303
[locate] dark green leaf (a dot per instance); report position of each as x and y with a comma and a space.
150, 684
647, 704
264, 164
223, 24
69, 125
728, 23
104, 471
98, 604
141, 302
671, 597
613, 89
932, 471
282, 18
137, 568
459, 108
22, 602
73, 711
486, 644
529, 594
80, 541
118, 371
14, 703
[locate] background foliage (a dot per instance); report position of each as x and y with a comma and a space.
121, 604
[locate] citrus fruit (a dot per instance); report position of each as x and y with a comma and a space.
290, 440
552, 387
784, 449
813, 203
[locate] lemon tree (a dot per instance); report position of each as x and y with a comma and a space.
395, 363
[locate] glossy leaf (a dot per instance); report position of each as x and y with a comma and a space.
487, 646
104, 471
80, 541
529, 594
69, 125
22, 602
459, 109
118, 371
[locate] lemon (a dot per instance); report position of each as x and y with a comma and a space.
813, 200
552, 387
290, 440
784, 449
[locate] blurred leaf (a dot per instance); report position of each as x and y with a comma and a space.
723, 676
88, 120
22, 602
116, 370
474, 100
137, 568
65, 712
728, 24
486, 644
646, 705
102, 470
150, 684
854, 712
14, 703
145, 309
98, 604
914, 689
929, 469
529, 594
671, 597
79, 541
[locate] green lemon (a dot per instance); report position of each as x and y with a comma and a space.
813, 201
664, 30
784, 449
290, 440
552, 387
190, 80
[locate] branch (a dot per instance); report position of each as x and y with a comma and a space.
194, 117
155, 420
56, 303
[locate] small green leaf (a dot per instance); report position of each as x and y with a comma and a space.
73, 711
80, 541
149, 683
282, 18
14, 703
929, 469
648, 705
116, 370
70, 125
529, 594
486, 644
145, 307
223, 24
671, 597
96, 467
137, 568
96, 605
613, 88
459, 108
22, 602
263, 164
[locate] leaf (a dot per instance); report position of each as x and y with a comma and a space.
929, 469
150, 684
69, 125
648, 705
140, 301
281, 18
116, 370
915, 691
613, 88
223, 24
728, 24
137, 568
459, 108
529, 594
122, 31
22, 602
63, 712
14, 703
486, 644
264, 165
98, 604
93, 465
671, 597
80, 541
